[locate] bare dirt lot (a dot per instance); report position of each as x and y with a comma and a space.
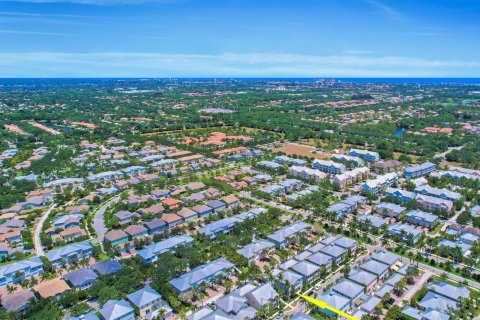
300, 150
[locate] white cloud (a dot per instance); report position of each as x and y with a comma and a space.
355, 52
121, 64
387, 10
32, 33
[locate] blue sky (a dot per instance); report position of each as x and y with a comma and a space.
240, 38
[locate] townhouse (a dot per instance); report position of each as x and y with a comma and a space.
364, 154
444, 194
307, 173
380, 184
404, 232
16, 272
328, 166
389, 209
422, 219
350, 177
70, 254
416, 171
400, 195
433, 203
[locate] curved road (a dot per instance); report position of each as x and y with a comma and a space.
38, 228
98, 222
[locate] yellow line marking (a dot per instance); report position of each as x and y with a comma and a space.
324, 305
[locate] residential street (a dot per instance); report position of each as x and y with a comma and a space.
99, 224
38, 228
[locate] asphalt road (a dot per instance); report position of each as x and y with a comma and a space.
38, 229
99, 224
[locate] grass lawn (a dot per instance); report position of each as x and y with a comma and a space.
103, 256
436, 229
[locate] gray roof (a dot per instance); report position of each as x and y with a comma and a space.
348, 288
333, 251
320, 259
243, 290
215, 204
218, 226
437, 302
143, 297
370, 304
418, 167
345, 242
374, 220
262, 294
305, 268
301, 316
334, 299
155, 223
431, 314
231, 303
448, 290
386, 288
375, 267
288, 264
362, 277
107, 267
20, 265
164, 246
391, 207
303, 255
420, 215
250, 250
200, 314
413, 313
217, 315
68, 250
114, 309
290, 277
385, 256
199, 274
394, 279
80, 277
289, 231
316, 247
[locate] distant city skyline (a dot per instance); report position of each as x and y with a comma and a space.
239, 38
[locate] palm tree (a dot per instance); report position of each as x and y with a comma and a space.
11, 289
